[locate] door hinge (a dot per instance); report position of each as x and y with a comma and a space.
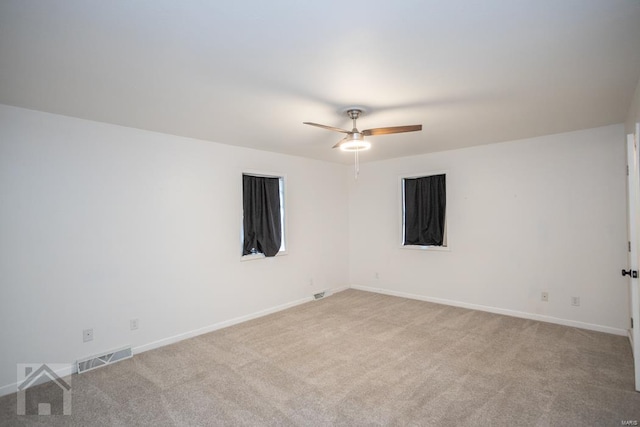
632, 323
629, 246
627, 170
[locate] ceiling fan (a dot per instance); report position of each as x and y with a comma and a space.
354, 141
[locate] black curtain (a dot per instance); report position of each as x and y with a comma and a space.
261, 216
425, 202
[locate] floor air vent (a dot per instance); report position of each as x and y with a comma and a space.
319, 295
103, 359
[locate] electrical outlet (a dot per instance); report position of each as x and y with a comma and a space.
133, 324
544, 297
575, 301
87, 335
376, 275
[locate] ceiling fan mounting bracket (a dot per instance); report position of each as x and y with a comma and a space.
354, 114
359, 108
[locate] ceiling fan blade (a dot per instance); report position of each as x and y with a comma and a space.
340, 142
327, 127
394, 129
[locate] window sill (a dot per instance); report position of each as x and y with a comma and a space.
426, 248
254, 257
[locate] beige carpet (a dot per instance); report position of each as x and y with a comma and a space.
358, 358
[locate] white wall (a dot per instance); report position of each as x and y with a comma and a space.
543, 214
100, 224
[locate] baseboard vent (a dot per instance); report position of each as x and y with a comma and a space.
319, 295
94, 362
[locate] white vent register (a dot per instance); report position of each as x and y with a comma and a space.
94, 362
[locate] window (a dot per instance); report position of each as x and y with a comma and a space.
263, 231
424, 200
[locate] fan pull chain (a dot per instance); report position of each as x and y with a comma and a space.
357, 165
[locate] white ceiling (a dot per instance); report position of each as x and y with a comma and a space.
250, 72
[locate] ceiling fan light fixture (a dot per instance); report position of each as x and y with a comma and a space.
355, 142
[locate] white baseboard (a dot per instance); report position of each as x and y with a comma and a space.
496, 310
12, 388
227, 323
210, 328
336, 290
65, 372
8, 389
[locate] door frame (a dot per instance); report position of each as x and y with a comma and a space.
633, 201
